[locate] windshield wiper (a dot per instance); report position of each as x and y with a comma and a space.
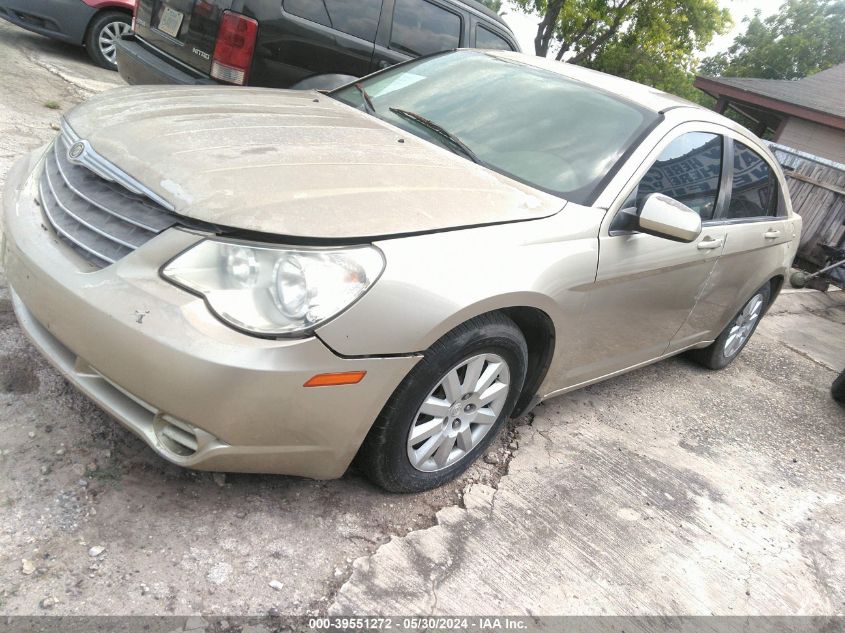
431, 125
368, 102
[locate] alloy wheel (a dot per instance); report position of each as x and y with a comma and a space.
459, 412
743, 325
108, 39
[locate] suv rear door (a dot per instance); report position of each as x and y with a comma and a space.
412, 28
311, 37
486, 35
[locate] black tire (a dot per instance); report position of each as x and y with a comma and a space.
101, 22
383, 456
837, 389
713, 356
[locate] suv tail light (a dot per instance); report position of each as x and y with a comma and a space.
234, 49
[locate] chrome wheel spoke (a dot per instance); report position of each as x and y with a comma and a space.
424, 431
458, 412
492, 392
464, 439
485, 416
452, 386
488, 377
435, 407
474, 369
422, 454
441, 455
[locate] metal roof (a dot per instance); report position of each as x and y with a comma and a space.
823, 92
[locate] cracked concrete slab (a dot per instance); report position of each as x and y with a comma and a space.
671, 490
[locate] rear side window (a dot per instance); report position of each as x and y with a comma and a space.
359, 18
753, 191
485, 38
688, 171
420, 28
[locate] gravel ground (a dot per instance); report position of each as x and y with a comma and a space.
92, 522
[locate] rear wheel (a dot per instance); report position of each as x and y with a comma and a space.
449, 408
736, 335
103, 32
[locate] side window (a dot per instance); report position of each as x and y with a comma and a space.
485, 38
754, 189
359, 18
688, 170
420, 28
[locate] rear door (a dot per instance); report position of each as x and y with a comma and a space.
184, 29
485, 35
316, 37
757, 236
413, 28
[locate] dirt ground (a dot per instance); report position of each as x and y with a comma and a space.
669, 490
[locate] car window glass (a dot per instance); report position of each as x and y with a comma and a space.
753, 180
688, 171
420, 28
359, 18
510, 115
485, 38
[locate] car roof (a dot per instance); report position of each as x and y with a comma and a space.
487, 11
645, 96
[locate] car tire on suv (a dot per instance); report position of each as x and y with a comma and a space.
736, 334
102, 35
487, 354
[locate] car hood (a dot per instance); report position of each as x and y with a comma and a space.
294, 163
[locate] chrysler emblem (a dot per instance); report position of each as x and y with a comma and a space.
76, 150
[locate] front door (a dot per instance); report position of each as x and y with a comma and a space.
646, 287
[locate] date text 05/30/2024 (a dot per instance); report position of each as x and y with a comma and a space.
421, 623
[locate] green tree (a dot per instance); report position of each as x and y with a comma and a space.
802, 38
649, 41
584, 29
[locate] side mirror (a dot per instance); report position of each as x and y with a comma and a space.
661, 216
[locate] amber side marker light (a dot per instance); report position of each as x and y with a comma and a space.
330, 380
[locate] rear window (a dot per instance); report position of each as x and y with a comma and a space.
752, 193
359, 18
554, 133
485, 38
420, 28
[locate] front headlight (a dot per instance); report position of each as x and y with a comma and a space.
275, 290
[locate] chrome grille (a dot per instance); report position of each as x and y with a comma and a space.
99, 217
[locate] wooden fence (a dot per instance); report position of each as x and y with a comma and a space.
817, 188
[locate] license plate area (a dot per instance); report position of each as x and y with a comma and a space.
170, 22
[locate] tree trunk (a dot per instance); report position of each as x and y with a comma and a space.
546, 28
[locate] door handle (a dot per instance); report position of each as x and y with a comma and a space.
771, 234
708, 244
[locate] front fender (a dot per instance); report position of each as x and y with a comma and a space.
433, 283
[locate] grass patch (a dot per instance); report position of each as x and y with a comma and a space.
52, 105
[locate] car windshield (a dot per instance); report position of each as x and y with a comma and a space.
554, 133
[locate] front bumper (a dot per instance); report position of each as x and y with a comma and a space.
138, 64
155, 358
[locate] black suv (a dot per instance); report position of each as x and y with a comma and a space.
296, 43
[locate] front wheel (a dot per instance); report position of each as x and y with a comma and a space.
103, 32
449, 408
734, 337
